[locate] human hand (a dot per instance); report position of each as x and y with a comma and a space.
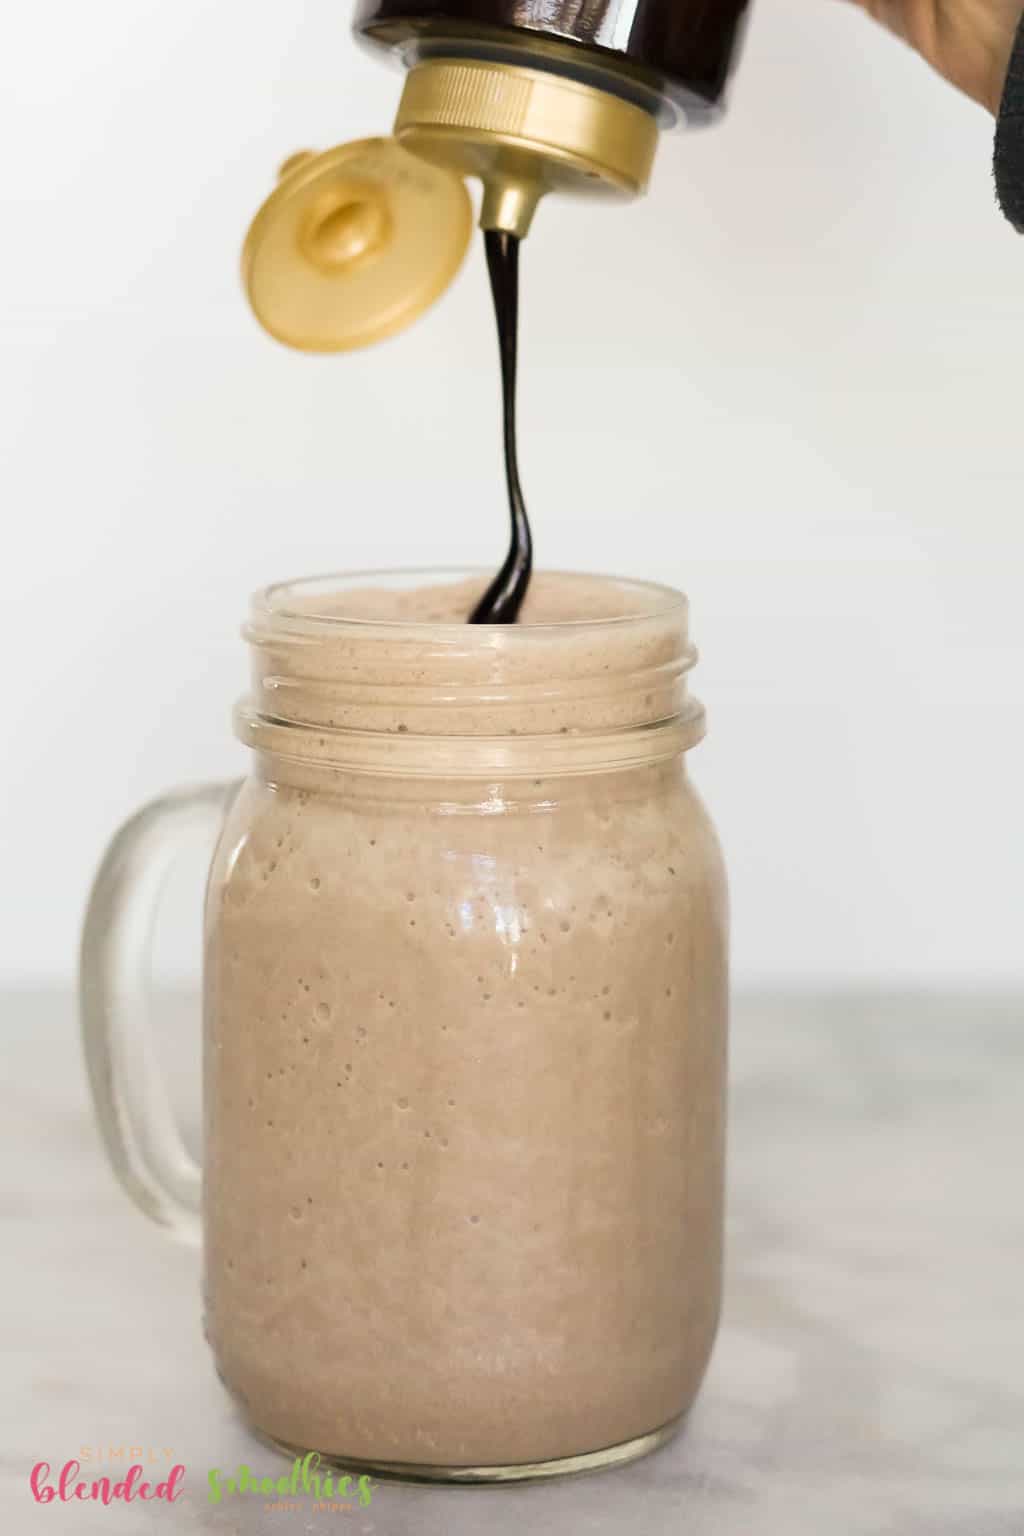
968, 41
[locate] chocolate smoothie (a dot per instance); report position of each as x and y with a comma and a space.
465, 1028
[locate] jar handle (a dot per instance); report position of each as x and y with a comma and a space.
142, 1139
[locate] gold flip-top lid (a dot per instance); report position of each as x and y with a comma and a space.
353, 244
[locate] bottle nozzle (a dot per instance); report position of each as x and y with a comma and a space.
509, 203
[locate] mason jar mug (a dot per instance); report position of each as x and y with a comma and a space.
464, 1034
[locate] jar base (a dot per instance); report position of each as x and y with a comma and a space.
520, 1472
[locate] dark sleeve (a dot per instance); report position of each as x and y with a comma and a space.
1009, 155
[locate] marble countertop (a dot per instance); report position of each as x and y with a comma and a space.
867, 1378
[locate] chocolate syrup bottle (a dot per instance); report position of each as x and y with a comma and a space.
528, 96
683, 49
541, 95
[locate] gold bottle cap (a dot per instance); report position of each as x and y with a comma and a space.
353, 244
524, 132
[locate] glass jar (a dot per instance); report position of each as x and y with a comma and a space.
464, 1031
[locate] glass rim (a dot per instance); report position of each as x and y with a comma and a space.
276, 602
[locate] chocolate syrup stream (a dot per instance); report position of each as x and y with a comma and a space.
503, 599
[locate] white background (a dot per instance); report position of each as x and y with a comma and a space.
790, 381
